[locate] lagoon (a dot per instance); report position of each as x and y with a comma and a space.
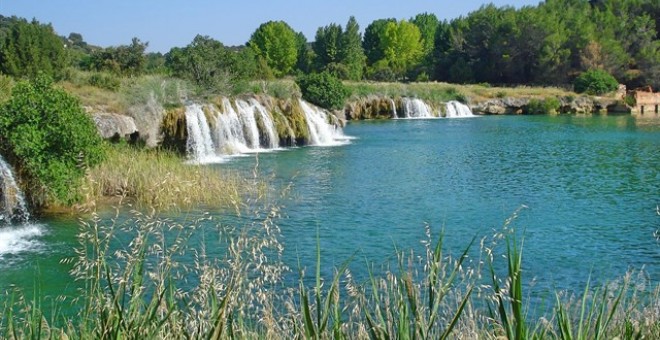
584, 192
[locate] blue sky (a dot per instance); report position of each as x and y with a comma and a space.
169, 23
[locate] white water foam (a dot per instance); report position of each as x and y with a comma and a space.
456, 109
414, 108
322, 133
18, 239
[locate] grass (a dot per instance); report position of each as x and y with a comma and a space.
135, 284
160, 179
434, 92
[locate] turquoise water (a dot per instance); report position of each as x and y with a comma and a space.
587, 189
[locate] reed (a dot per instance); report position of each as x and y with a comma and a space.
134, 284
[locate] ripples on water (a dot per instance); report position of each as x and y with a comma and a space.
590, 185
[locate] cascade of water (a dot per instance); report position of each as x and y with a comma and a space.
12, 201
416, 108
250, 127
457, 110
247, 126
320, 131
272, 140
200, 144
229, 131
394, 114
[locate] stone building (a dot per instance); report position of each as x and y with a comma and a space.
647, 103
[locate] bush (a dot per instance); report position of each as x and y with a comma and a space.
538, 107
323, 89
6, 84
104, 81
595, 82
381, 71
50, 138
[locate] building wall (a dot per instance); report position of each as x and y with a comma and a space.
647, 104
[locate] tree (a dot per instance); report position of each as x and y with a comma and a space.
276, 43
210, 65
402, 46
352, 54
327, 45
50, 137
28, 49
129, 60
340, 52
371, 44
428, 25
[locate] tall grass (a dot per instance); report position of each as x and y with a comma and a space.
149, 277
160, 179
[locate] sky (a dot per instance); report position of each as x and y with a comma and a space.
171, 23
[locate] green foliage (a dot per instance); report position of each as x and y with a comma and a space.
6, 84
340, 52
327, 44
51, 139
128, 60
28, 49
104, 80
323, 89
211, 66
371, 43
544, 106
428, 25
352, 53
595, 82
278, 45
402, 46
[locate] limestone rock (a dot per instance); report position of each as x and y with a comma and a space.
115, 126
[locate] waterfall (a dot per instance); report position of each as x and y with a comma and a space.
200, 144
321, 132
230, 136
12, 202
19, 237
394, 114
416, 108
246, 126
457, 110
272, 141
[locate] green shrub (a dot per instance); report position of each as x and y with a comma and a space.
323, 89
454, 94
6, 84
595, 82
50, 138
104, 81
381, 71
545, 106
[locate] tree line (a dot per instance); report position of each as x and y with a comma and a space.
548, 44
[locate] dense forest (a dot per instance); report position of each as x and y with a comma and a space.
548, 44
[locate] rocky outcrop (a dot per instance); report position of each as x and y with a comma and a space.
115, 126
567, 104
370, 107
501, 106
